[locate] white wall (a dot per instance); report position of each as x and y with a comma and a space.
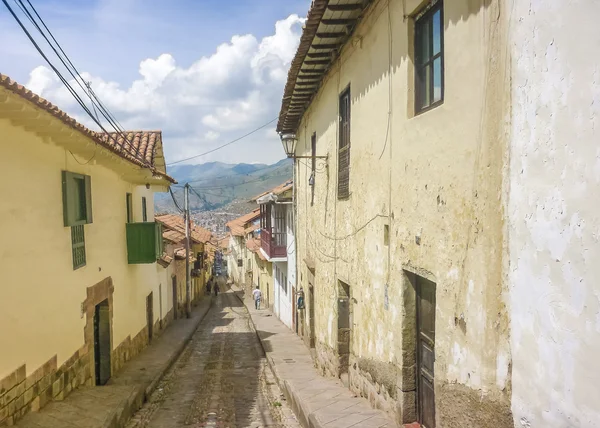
553, 208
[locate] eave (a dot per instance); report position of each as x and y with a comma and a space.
328, 27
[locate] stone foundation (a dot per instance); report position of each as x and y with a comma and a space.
459, 406
20, 394
375, 381
326, 360
128, 349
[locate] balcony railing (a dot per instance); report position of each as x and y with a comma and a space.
274, 243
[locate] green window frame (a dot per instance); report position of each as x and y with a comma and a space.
429, 57
77, 199
129, 203
144, 210
78, 246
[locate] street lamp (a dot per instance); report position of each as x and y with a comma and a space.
289, 142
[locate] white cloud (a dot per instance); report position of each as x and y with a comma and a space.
217, 98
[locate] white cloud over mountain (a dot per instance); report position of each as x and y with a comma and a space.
215, 99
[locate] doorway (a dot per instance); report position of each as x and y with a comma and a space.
150, 316
175, 298
425, 294
344, 330
102, 342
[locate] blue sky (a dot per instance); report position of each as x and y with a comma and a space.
204, 71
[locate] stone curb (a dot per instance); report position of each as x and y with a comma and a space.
306, 418
126, 409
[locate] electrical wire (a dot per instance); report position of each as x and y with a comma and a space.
58, 73
223, 145
84, 163
90, 93
175, 200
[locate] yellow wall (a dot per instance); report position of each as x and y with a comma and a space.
436, 180
41, 295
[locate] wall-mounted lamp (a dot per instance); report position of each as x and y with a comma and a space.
289, 142
311, 179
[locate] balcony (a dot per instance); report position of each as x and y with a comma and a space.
274, 244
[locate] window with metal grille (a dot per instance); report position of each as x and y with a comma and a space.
78, 246
429, 57
344, 146
144, 210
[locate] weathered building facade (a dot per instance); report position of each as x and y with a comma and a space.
82, 291
440, 240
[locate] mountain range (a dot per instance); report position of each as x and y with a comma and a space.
217, 184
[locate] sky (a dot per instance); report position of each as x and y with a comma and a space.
203, 71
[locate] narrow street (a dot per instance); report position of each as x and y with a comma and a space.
220, 380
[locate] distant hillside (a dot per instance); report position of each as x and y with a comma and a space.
217, 184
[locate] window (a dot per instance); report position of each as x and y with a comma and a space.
144, 211
78, 246
344, 146
77, 199
429, 57
240, 263
129, 202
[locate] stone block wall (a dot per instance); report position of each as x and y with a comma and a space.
20, 394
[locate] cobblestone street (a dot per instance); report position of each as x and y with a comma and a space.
220, 380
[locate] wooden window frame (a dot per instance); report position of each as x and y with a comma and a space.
70, 186
422, 18
144, 210
344, 143
129, 206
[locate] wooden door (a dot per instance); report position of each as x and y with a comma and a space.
175, 298
102, 343
425, 351
150, 316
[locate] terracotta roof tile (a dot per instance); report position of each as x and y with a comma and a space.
282, 188
165, 260
124, 150
142, 143
238, 225
174, 236
175, 222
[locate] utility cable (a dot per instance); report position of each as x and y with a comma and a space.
175, 200
58, 73
221, 146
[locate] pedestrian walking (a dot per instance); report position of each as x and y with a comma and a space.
208, 287
257, 294
216, 287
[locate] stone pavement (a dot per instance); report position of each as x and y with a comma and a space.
112, 405
220, 380
317, 401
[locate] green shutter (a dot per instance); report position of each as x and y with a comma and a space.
78, 246
144, 242
77, 200
88, 199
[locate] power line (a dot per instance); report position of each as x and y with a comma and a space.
175, 200
58, 73
224, 145
90, 93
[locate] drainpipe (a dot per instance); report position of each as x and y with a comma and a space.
188, 291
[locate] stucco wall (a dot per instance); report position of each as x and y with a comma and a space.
41, 299
553, 213
435, 179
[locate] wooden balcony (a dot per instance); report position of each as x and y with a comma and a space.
274, 244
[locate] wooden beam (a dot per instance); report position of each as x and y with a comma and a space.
344, 7
318, 55
316, 62
324, 46
311, 73
309, 83
325, 35
343, 21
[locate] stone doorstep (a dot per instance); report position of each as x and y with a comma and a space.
306, 410
123, 408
